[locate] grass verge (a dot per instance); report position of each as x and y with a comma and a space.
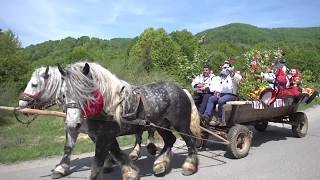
44, 137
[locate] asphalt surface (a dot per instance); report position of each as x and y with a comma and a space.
275, 154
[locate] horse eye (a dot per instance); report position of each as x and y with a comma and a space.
34, 85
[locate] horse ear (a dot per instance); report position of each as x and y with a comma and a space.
62, 71
86, 69
46, 75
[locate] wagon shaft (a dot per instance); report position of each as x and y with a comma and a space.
33, 111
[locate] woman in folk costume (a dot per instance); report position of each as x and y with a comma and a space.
295, 79
282, 84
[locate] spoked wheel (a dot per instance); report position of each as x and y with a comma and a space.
300, 126
261, 126
240, 139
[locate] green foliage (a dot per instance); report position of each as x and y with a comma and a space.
14, 67
154, 49
70, 50
187, 70
187, 42
251, 85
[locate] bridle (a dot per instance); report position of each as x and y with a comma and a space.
33, 102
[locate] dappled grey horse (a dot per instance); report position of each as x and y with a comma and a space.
162, 104
44, 87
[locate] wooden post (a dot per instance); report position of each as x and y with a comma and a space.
33, 111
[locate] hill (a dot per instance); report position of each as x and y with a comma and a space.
300, 44
250, 35
73, 49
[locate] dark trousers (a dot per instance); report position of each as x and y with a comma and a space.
201, 100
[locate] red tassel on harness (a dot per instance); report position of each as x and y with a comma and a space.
96, 106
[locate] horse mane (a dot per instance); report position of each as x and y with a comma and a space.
54, 82
82, 87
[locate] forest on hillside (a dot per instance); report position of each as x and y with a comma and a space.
159, 55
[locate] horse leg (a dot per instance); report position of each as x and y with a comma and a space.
136, 152
190, 165
62, 169
108, 164
101, 152
162, 163
151, 147
128, 169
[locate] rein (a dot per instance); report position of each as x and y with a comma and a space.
145, 123
36, 104
28, 122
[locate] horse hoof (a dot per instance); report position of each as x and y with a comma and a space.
129, 173
108, 165
152, 149
56, 175
96, 173
159, 169
130, 176
107, 170
134, 155
189, 168
60, 171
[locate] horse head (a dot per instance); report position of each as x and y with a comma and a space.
80, 95
36, 87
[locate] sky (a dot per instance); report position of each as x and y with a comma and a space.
36, 21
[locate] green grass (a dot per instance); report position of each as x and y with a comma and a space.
44, 137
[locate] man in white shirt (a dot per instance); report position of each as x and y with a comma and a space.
226, 91
201, 84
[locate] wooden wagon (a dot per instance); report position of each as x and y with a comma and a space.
237, 115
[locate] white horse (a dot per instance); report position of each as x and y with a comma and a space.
164, 104
45, 87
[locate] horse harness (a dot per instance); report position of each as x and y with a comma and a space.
135, 105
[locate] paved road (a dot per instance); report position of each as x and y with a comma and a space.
275, 154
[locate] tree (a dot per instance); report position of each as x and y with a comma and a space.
13, 62
14, 68
188, 43
154, 49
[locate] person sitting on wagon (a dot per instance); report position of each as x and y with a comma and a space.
227, 91
295, 79
269, 76
283, 84
201, 85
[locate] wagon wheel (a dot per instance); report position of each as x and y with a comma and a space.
261, 126
240, 139
300, 126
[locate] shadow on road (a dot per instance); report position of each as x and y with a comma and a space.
272, 133
145, 163
212, 150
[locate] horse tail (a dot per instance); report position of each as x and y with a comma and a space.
195, 117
